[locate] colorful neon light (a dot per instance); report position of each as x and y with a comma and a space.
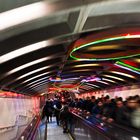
64, 88
114, 77
61, 80
91, 80
128, 66
128, 36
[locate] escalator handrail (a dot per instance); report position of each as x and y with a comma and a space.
120, 127
89, 124
129, 129
29, 131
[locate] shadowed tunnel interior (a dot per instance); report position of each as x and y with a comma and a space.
89, 44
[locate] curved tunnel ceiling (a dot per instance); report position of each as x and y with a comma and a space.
41, 40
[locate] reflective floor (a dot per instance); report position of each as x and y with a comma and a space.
40, 135
55, 132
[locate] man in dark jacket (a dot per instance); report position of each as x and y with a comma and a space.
57, 107
65, 117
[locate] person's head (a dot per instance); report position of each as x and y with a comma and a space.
88, 98
93, 98
132, 102
107, 99
119, 104
100, 103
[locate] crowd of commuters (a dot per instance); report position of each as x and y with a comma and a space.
126, 113
57, 107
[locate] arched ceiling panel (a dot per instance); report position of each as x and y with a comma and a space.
91, 41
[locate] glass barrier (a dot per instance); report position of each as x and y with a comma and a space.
84, 126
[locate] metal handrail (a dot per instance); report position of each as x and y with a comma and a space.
111, 130
30, 130
15, 124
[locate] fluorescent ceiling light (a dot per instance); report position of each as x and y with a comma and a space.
91, 79
87, 65
127, 65
103, 82
42, 94
27, 65
36, 77
135, 138
32, 72
136, 60
82, 70
88, 87
46, 78
39, 83
126, 68
64, 80
22, 14
27, 74
123, 74
93, 85
103, 47
105, 79
114, 77
23, 51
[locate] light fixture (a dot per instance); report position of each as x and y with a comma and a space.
34, 71
68, 88
22, 51
114, 77
123, 74
88, 86
61, 80
105, 79
17, 85
103, 82
42, 94
135, 138
22, 14
36, 77
128, 36
39, 85
87, 65
44, 81
136, 60
128, 66
46, 78
92, 85
26, 65
103, 47
82, 70
91, 79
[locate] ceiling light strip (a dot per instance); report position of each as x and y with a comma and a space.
128, 66
103, 41
103, 82
35, 77
108, 80
123, 74
22, 51
92, 85
114, 77
22, 14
